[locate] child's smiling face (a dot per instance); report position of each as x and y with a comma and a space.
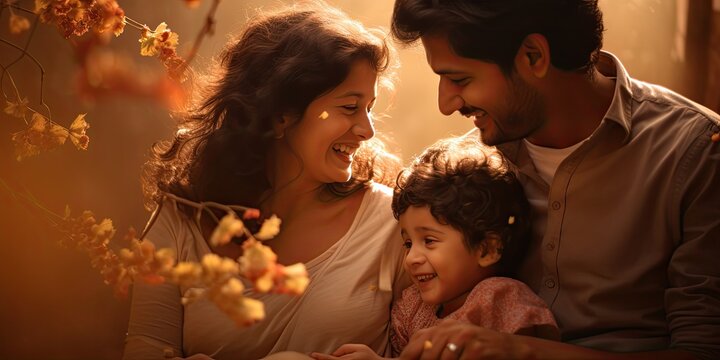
438, 261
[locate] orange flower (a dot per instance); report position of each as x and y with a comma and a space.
18, 24
192, 3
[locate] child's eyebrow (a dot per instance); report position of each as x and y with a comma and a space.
428, 229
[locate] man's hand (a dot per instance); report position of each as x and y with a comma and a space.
457, 340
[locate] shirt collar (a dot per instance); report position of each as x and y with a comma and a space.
620, 109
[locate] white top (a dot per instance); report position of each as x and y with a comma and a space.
547, 159
348, 299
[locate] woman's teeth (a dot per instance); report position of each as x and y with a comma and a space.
347, 150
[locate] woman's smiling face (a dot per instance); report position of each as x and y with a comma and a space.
325, 139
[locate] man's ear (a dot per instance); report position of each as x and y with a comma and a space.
280, 125
490, 251
533, 56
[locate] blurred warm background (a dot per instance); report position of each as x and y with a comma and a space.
54, 305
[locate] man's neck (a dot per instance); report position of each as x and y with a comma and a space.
575, 105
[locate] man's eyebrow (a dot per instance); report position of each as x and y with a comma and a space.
448, 72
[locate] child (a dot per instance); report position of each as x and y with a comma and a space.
466, 225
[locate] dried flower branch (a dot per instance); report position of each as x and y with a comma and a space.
216, 278
45, 135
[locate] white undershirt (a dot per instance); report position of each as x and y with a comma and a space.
547, 159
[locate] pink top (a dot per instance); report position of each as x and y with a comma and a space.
498, 303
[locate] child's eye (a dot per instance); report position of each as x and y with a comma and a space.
407, 244
429, 241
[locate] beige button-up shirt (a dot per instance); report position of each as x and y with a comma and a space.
627, 249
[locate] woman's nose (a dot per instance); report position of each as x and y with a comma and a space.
364, 128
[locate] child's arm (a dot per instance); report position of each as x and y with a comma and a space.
349, 351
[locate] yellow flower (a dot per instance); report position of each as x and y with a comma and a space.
186, 274
228, 227
152, 42
269, 228
256, 260
292, 279
218, 269
18, 24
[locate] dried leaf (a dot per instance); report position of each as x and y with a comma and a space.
42, 135
77, 132
17, 108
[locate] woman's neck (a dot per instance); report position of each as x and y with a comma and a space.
287, 201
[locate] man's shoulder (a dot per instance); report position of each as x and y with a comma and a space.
668, 107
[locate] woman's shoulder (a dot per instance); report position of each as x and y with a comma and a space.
380, 191
169, 227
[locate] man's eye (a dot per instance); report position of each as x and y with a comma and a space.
459, 81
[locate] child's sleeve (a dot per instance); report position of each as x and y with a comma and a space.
509, 306
399, 325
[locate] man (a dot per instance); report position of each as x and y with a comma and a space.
623, 176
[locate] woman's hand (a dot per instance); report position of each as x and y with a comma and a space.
457, 340
349, 351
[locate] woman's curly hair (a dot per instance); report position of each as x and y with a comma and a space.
281, 63
470, 187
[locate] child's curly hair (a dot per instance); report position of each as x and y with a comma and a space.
470, 187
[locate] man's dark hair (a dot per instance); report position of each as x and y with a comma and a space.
492, 30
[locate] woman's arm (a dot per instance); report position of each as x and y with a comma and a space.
156, 311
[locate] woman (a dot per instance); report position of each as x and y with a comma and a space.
287, 128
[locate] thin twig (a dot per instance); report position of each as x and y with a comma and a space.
29, 199
134, 24
207, 29
42, 72
11, 6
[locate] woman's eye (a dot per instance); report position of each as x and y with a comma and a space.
350, 108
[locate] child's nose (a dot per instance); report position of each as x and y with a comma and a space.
414, 257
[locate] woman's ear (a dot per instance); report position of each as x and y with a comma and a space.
533, 56
490, 251
280, 125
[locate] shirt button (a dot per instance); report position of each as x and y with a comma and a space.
550, 283
556, 205
550, 246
